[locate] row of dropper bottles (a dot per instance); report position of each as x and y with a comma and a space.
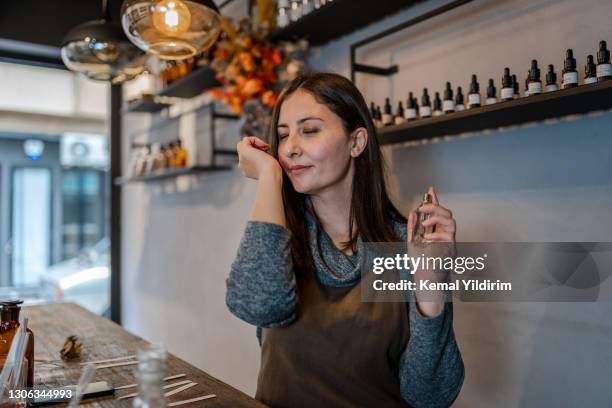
510, 90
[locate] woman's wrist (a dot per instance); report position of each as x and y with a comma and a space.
272, 173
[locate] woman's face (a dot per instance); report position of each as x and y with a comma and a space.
313, 148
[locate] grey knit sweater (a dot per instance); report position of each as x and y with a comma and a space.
261, 290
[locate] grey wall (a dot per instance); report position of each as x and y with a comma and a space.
538, 182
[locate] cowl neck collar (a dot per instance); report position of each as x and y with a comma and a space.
334, 268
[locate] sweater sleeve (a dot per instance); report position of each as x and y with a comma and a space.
261, 287
431, 369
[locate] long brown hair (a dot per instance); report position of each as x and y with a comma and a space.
371, 210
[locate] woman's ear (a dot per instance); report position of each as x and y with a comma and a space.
359, 141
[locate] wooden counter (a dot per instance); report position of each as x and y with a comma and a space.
103, 339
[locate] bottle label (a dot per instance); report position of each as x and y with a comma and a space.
604, 70
282, 20
459, 107
551, 88
570, 78
535, 88
491, 101
425, 111
438, 113
474, 99
448, 105
507, 93
387, 119
590, 80
399, 120
410, 114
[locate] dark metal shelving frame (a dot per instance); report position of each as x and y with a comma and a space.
393, 69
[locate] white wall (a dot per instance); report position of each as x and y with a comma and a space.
51, 101
543, 182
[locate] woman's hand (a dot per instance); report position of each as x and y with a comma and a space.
253, 159
442, 244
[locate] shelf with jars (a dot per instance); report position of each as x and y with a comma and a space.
534, 108
321, 21
167, 157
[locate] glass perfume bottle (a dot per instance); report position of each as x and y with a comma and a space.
140, 167
150, 161
150, 378
160, 158
418, 236
169, 155
9, 324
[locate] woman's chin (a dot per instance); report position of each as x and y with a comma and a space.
300, 187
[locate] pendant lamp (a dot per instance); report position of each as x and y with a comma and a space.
100, 50
171, 29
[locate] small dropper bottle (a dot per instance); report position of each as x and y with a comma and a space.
570, 75
535, 84
387, 117
590, 71
379, 116
448, 104
604, 68
425, 104
474, 95
373, 114
459, 105
507, 91
515, 85
491, 93
410, 113
551, 79
437, 105
527, 84
399, 116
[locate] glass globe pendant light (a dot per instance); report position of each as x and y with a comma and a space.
171, 29
100, 50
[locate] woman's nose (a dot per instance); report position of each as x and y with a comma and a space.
291, 146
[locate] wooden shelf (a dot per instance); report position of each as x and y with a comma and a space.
145, 106
170, 173
338, 18
192, 84
564, 102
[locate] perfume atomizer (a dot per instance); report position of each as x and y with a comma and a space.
418, 237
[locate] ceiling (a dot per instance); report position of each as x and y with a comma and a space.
31, 31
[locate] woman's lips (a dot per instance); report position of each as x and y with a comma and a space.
295, 170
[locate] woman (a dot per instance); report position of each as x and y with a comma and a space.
321, 194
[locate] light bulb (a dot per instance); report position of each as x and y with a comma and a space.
171, 17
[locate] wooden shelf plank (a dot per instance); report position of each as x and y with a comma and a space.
170, 173
192, 84
145, 106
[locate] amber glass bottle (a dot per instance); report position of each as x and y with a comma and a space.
9, 324
180, 154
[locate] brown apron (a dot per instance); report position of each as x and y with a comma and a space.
339, 352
